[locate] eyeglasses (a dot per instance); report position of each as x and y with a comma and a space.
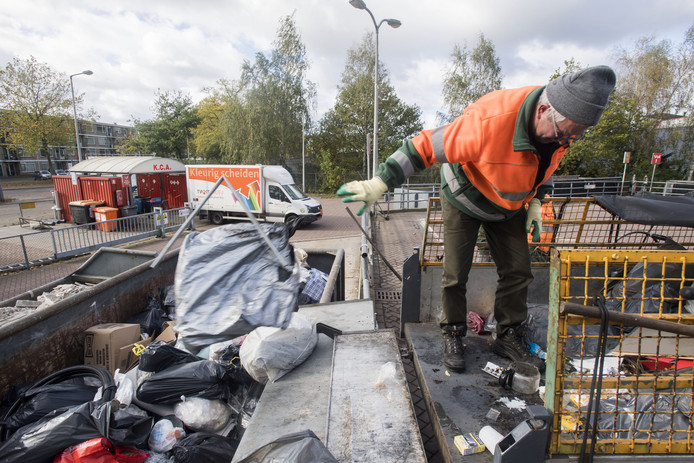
558, 135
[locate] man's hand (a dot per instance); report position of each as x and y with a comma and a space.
368, 191
534, 218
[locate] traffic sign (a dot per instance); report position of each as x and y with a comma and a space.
657, 157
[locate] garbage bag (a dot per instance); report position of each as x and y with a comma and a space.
38, 402
100, 450
204, 414
160, 355
647, 415
203, 378
46, 402
228, 281
249, 397
152, 317
203, 447
227, 354
165, 434
42, 440
270, 353
299, 447
643, 286
130, 426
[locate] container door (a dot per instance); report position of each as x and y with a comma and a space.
175, 190
278, 203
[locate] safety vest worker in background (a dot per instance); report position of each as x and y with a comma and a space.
547, 231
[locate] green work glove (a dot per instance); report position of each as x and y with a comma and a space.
534, 218
368, 191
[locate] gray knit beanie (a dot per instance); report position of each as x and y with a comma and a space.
582, 95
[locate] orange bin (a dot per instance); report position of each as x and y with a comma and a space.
101, 214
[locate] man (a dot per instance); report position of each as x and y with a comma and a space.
497, 157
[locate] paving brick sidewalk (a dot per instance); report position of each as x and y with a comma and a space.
396, 235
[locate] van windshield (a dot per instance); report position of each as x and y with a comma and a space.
294, 191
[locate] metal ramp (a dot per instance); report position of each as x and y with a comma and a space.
336, 393
371, 418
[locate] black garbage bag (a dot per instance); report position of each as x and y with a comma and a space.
38, 402
246, 400
203, 378
629, 295
168, 297
42, 440
228, 281
203, 447
130, 426
298, 447
229, 357
152, 317
646, 415
47, 395
160, 355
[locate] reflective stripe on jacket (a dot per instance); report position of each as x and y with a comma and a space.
489, 165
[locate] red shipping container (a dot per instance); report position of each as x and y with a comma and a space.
66, 193
103, 188
169, 187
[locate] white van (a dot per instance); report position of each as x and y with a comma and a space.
269, 192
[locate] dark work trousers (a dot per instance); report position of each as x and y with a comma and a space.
508, 244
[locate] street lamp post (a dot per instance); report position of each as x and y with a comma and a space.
74, 111
394, 23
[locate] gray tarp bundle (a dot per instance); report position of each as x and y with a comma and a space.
228, 281
649, 209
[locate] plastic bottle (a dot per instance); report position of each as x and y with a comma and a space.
537, 350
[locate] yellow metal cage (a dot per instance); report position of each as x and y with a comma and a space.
567, 223
646, 388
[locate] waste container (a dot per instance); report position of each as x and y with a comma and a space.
128, 211
82, 210
102, 214
142, 203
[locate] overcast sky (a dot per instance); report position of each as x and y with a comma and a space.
137, 47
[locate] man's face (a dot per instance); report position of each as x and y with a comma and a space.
548, 130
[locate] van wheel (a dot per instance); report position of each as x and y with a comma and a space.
289, 218
216, 217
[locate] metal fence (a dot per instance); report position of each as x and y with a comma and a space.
577, 223
28, 250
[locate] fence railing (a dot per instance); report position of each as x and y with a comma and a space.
32, 249
576, 223
416, 195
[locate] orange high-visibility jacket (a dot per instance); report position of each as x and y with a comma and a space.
489, 164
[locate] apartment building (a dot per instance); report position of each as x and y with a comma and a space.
96, 139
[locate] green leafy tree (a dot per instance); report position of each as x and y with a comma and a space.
340, 142
170, 133
658, 76
601, 151
472, 74
212, 143
37, 107
276, 97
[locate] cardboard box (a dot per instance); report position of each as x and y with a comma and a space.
102, 343
469, 444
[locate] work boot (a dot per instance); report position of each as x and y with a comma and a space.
453, 348
510, 345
